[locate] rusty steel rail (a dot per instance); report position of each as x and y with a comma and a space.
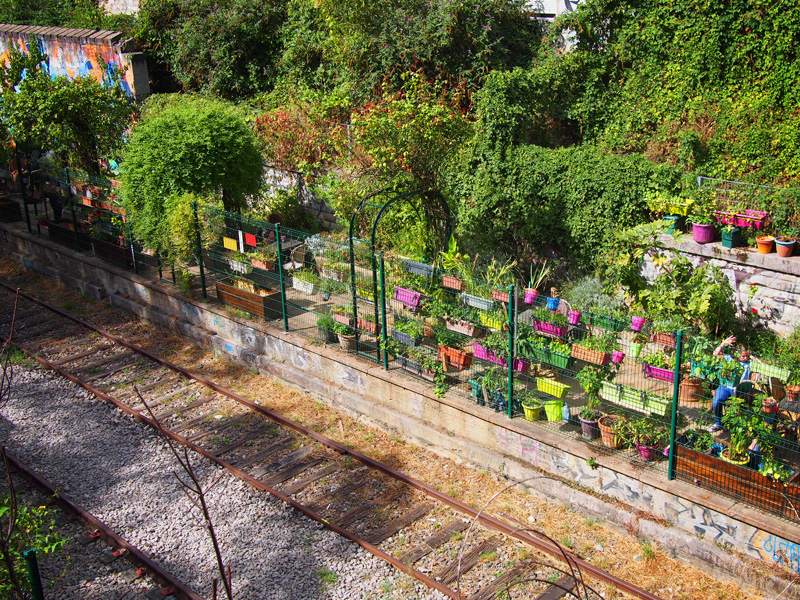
166, 579
543, 545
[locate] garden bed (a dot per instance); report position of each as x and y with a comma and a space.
264, 303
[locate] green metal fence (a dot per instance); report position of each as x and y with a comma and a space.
514, 351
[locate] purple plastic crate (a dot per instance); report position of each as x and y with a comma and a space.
551, 328
482, 353
410, 298
659, 373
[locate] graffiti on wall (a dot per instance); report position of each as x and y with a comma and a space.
75, 57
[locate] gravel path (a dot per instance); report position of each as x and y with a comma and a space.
121, 471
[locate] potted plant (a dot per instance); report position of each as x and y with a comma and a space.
494, 379
744, 427
596, 349
347, 337
336, 271
589, 379
496, 319
407, 331
305, 280
263, 259
638, 319
646, 435
550, 323
765, 243
367, 322
343, 315
452, 261
450, 353
785, 246
730, 236
657, 366
240, 263
538, 275
326, 328
499, 277
531, 407
611, 429
637, 344
774, 469
703, 219
458, 319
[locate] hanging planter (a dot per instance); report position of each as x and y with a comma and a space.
368, 326
452, 282
551, 328
552, 387
530, 295
765, 243
591, 356
635, 349
785, 246
637, 323
477, 302
492, 322
411, 299
406, 338
552, 303
617, 357
574, 317
459, 326
703, 234
658, 373
454, 358
520, 364
419, 268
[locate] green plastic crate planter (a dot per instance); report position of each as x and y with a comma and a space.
768, 370
638, 400
559, 360
554, 388
607, 322
730, 239
553, 408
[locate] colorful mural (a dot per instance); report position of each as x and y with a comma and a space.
80, 53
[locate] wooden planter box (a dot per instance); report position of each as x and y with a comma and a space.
738, 482
113, 253
591, 356
267, 305
457, 359
64, 235
9, 211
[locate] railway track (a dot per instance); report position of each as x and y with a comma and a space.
451, 547
143, 566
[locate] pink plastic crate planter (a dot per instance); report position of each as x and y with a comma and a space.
748, 218
658, 373
479, 351
410, 299
574, 317
551, 328
530, 296
637, 323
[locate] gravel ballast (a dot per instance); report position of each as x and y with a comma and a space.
122, 472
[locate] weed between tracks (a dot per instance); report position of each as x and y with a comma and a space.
617, 553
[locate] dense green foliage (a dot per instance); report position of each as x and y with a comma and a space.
83, 119
229, 48
186, 144
364, 44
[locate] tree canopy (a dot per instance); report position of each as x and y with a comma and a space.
186, 144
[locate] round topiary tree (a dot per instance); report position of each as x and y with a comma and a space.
186, 145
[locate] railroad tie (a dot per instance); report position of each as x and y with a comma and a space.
329, 498
219, 428
499, 584
362, 511
275, 446
291, 471
282, 462
433, 542
298, 485
450, 572
402, 521
561, 588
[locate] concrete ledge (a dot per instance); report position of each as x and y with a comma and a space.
692, 523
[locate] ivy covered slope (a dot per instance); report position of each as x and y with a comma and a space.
709, 86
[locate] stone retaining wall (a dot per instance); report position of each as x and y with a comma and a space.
687, 521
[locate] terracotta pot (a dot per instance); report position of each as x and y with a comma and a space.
785, 246
765, 243
793, 393
690, 390
610, 439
